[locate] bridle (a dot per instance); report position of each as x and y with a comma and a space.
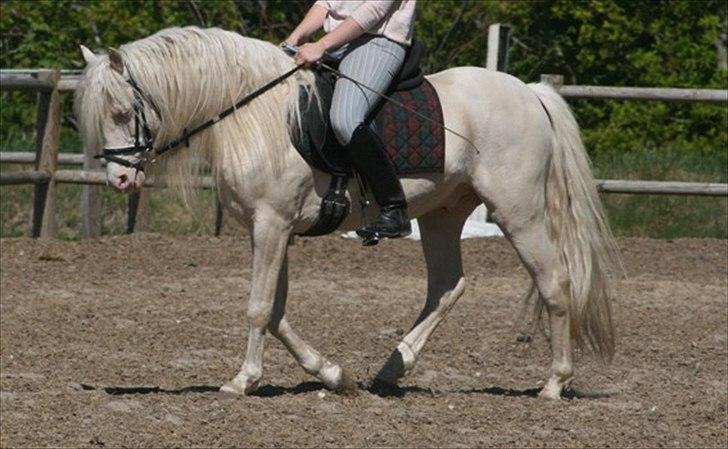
143, 139
141, 129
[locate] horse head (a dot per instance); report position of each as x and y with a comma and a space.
117, 118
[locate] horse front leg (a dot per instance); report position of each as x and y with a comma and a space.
331, 375
270, 238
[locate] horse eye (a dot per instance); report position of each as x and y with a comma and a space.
121, 117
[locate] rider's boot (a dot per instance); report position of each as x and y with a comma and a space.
367, 154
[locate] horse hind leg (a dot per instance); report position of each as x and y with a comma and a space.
538, 252
440, 231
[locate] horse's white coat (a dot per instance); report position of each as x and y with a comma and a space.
533, 175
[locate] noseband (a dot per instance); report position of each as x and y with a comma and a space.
143, 139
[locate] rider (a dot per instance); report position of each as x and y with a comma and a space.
370, 39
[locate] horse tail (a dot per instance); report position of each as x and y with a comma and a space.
577, 223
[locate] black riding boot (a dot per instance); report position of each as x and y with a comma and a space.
367, 154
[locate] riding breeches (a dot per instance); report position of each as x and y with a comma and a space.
371, 60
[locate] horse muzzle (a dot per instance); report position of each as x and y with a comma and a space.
124, 179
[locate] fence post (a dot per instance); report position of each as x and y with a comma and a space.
90, 199
47, 128
91, 204
498, 42
218, 215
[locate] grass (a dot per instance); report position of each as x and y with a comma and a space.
665, 216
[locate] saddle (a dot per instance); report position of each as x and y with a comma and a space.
415, 145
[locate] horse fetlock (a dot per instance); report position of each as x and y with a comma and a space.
562, 371
409, 357
313, 363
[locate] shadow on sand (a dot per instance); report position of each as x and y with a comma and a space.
382, 390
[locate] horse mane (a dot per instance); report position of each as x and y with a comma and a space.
191, 75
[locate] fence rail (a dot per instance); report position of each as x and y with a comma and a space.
635, 93
27, 157
98, 177
46, 157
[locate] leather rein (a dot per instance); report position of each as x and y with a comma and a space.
143, 139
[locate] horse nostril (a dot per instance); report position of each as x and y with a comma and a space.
123, 178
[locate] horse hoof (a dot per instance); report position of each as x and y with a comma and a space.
231, 388
549, 394
384, 388
347, 385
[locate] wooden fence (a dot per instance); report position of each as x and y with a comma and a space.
46, 158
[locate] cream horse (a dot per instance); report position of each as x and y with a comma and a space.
530, 169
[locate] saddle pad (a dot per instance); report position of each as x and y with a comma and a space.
413, 143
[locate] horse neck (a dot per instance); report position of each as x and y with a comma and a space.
194, 84
189, 91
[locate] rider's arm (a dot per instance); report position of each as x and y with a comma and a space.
370, 14
364, 18
311, 23
346, 32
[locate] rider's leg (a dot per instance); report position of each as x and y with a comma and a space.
374, 61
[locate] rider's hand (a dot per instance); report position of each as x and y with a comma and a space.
310, 53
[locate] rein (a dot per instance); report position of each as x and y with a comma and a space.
112, 154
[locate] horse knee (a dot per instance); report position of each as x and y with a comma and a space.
259, 317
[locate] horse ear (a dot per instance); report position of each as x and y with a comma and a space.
88, 55
115, 60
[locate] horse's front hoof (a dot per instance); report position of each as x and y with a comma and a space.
231, 388
347, 385
385, 388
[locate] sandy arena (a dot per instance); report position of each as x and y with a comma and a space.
123, 341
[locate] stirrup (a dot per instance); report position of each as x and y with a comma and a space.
368, 238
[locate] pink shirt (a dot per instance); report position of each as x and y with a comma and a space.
389, 18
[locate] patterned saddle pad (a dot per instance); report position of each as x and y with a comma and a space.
414, 144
